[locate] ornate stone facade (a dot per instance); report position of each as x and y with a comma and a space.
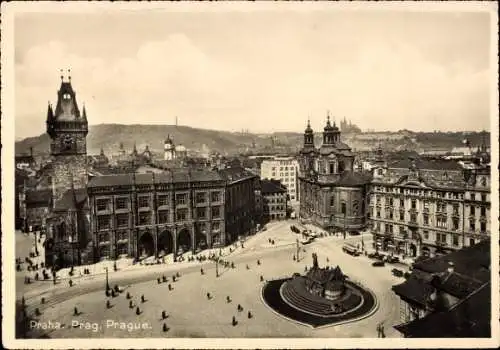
332, 196
428, 207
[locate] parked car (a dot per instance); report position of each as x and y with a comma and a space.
392, 259
397, 272
378, 263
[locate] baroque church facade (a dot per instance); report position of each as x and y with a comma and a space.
332, 195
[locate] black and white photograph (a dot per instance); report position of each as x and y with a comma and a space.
250, 174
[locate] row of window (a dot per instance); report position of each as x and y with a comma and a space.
163, 200
441, 221
430, 193
145, 218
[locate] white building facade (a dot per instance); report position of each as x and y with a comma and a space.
284, 169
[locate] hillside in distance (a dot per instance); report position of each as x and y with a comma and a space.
109, 137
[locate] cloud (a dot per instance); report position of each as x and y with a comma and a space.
384, 85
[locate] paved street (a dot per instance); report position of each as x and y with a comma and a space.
191, 314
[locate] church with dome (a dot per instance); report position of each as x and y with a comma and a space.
332, 195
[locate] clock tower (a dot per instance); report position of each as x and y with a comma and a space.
68, 129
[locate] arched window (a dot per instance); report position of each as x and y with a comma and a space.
355, 207
332, 201
341, 166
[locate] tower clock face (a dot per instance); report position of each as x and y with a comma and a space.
67, 142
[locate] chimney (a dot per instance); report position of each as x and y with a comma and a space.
451, 267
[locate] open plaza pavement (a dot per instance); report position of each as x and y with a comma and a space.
190, 313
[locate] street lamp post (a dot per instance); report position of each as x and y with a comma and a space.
217, 266
298, 249
36, 244
107, 280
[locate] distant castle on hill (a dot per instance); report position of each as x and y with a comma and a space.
348, 127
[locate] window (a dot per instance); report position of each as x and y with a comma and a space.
200, 197
122, 220
104, 251
180, 199
426, 219
483, 227
332, 201
103, 222
483, 211
401, 215
472, 224
413, 217
102, 204
472, 241
391, 215
143, 201
378, 199
162, 200
455, 224
215, 226
391, 202
472, 211
402, 203
163, 216
215, 212
182, 214
122, 203
455, 209
144, 218
332, 168
104, 237
201, 213
414, 204
122, 249
441, 207
483, 197
455, 240
121, 235
215, 196
426, 234
441, 237
441, 221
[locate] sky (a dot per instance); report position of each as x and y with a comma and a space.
263, 71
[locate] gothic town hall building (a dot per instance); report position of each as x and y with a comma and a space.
135, 215
332, 196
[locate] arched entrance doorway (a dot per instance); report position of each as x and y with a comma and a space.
146, 245
401, 248
165, 243
184, 241
201, 238
388, 244
426, 252
413, 250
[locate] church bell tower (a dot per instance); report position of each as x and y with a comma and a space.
68, 129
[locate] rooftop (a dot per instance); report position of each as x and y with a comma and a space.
471, 261
426, 164
470, 318
67, 201
38, 196
271, 186
168, 176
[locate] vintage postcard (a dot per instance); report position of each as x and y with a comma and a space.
250, 174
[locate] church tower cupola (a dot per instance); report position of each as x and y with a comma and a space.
308, 136
331, 134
